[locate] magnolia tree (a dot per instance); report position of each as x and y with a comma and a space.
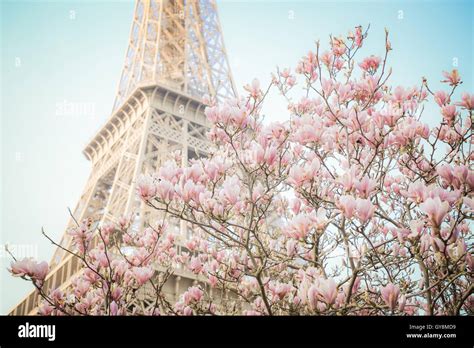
353, 206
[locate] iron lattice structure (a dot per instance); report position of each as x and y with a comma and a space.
176, 55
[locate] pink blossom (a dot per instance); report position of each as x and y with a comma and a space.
348, 180
212, 114
365, 209
452, 77
370, 64
280, 290
164, 190
449, 112
212, 280
467, 101
291, 247
170, 172
230, 190
193, 173
193, 295
327, 86
390, 295
435, 209
402, 302
113, 308
358, 36
258, 192
29, 267
328, 290
417, 191
45, 309
146, 188
348, 206
191, 191
81, 286
142, 274
300, 226
469, 202
445, 171
313, 296
441, 98
195, 265
345, 92
296, 176
338, 47
365, 186
254, 89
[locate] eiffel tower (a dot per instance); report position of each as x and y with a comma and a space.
175, 57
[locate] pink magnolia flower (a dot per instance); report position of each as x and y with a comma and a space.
327, 86
191, 191
348, 179
338, 47
345, 92
280, 290
212, 280
469, 203
212, 114
230, 191
452, 77
312, 295
170, 172
146, 187
193, 295
296, 176
390, 294
338, 64
401, 305
194, 172
300, 226
348, 206
449, 112
370, 64
417, 191
254, 88
81, 285
45, 309
435, 209
257, 153
165, 190
365, 209
187, 311
467, 101
196, 265
258, 192
358, 36
441, 98
327, 58
142, 274
365, 186
29, 267
113, 308
271, 155
328, 290
291, 247
445, 171
416, 227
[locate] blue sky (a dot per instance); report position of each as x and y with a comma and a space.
61, 52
